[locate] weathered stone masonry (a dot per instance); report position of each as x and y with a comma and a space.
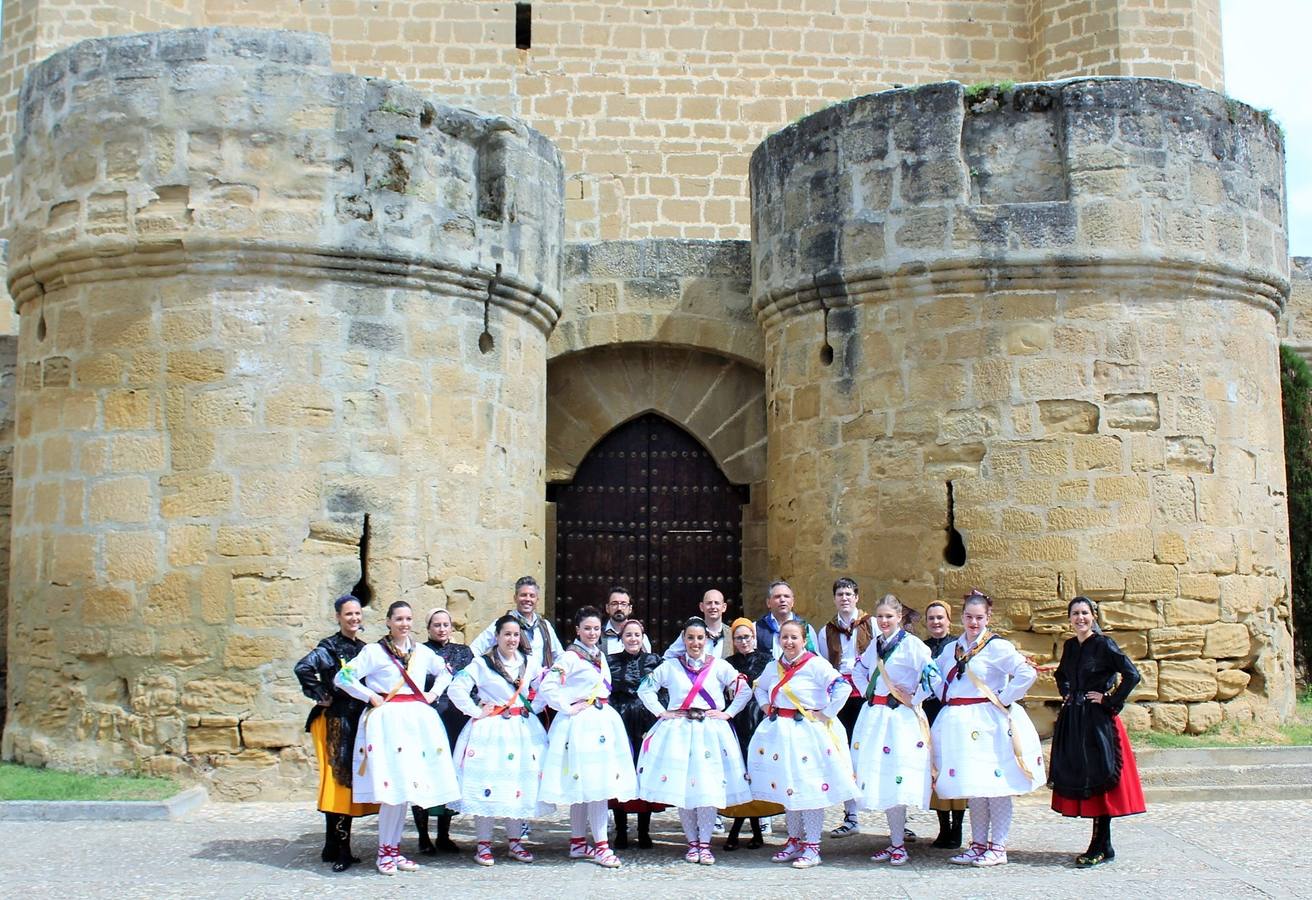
1045, 319
1024, 341
260, 302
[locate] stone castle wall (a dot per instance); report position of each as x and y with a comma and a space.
657, 106
1296, 323
1044, 319
284, 331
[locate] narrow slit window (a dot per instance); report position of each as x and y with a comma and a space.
523, 25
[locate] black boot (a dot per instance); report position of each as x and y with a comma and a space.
341, 827
1099, 844
944, 839
958, 817
421, 825
621, 841
1107, 852
644, 830
758, 839
329, 853
444, 842
731, 842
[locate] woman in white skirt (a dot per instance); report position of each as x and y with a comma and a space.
798, 756
500, 750
890, 743
402, 757
690, 757
985, 747
589, 759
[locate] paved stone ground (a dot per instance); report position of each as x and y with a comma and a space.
1230, 850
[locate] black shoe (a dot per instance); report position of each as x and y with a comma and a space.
427, 848
342, 865
1089, 860
731, 843
756, 843
621, 841
446, 845
644, 842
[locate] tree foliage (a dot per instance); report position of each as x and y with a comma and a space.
1296, 391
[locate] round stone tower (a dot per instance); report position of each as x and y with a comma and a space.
283, 334
1025, 340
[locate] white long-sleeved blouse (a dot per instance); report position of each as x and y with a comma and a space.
577, 674
999, 665
816, 685
906, 667
375, 673
494, 688
673, 675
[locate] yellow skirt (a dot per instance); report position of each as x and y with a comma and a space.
753, 808
333, 797
936, 803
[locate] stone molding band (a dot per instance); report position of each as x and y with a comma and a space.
62, 267
835, 289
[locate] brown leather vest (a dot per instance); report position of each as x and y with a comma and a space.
864, 628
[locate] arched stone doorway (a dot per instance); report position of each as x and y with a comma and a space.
649, 509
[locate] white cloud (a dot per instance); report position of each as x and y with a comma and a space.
1267, 65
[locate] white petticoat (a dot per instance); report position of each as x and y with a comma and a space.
499, 761
588, 758
800, 764
974, 753
891, 757
406, 757
689, 764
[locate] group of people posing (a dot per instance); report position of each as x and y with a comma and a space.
742, 719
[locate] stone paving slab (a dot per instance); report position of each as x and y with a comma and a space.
257, 850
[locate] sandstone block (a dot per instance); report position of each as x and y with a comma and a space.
1129, 615
132, 556
1131, 412
203, 739
127, 499
271, 733
1227, 641
1134, 643
1183, 642
1172, 718
105, 605
188, 545
248, 652
130, 410
1192, 680
1190, 612
1231, 683
195, 495
1238, 710
1169, 548
1070, 416
1203, 717
1147, 689
1136, 717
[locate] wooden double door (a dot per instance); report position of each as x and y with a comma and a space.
649, 510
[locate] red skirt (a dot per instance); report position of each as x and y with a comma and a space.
1126, 799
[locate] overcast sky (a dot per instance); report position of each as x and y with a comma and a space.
1268, 64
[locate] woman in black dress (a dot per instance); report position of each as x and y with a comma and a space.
750, 661
1093, 773
627, 669
938, 623
457, 656
332, 723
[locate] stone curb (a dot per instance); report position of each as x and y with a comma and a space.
174, 807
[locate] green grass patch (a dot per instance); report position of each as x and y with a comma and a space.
25, 783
